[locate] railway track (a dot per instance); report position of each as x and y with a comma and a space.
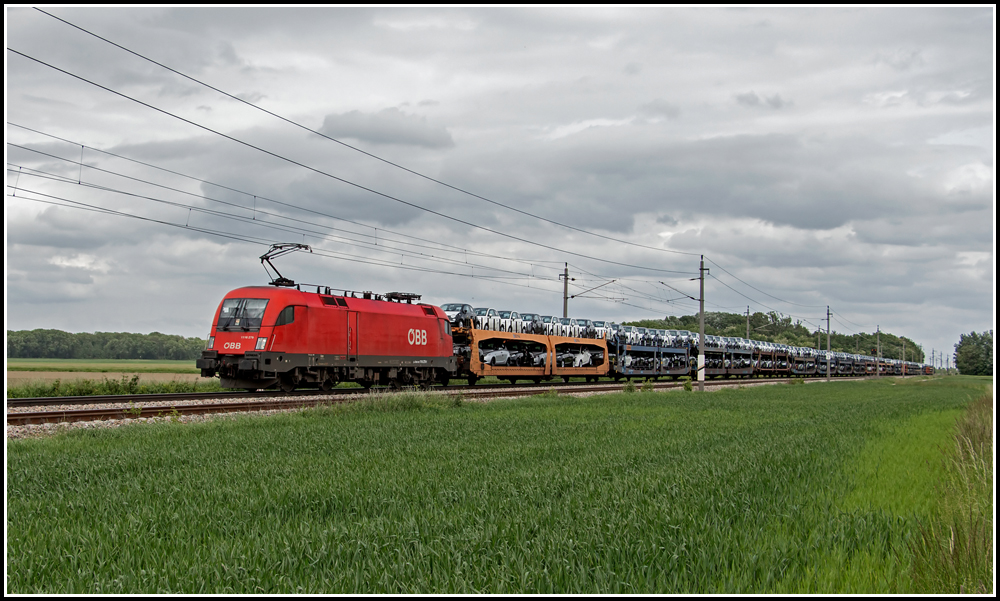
126, 407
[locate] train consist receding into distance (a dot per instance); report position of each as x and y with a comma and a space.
283, 336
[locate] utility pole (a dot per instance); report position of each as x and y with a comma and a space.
828, 361
748, 322
565, 277
878, 354
701, 328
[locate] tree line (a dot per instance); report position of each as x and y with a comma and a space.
974, 354
780, 329
56, 344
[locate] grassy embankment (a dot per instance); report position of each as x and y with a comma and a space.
767, 489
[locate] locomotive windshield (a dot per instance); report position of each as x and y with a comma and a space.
241, 314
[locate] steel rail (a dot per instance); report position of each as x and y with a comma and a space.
197, 396
299, 401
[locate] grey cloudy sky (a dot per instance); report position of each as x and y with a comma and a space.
814, 156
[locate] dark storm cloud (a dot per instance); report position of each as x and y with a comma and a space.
388, 126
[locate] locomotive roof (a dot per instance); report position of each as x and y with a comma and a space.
376, 304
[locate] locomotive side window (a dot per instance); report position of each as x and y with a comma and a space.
241, 314
335, 301
286, 316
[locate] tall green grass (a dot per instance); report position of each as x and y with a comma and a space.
954, 551
736, 491
106, 386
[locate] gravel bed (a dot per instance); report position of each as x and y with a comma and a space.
32, 430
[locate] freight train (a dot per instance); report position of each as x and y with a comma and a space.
282, 336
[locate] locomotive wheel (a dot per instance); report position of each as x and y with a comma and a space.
326, 385
287, 385
394, 385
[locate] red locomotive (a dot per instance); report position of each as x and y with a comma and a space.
265, 336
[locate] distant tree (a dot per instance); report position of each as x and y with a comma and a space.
775, 327
56, 344
974, 354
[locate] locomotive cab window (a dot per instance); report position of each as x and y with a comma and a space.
286, 316
241, 314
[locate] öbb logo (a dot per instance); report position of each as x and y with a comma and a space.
231, 346
418, 337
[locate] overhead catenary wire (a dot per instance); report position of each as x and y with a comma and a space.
66, 202
849, 321
497, 232
356, 149
375, 246
262, 212
788, 302
335, 254
803, 318
261, 197
318, 235
330, 175
321, 235
291, 229
69, 203
382, 194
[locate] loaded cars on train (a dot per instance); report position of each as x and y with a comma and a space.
286, 337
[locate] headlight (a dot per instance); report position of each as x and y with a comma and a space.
211, 342
260, 343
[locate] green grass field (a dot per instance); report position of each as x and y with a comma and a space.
103, 365
775, 489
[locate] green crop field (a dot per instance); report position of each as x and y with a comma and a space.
819, 488
103, 365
